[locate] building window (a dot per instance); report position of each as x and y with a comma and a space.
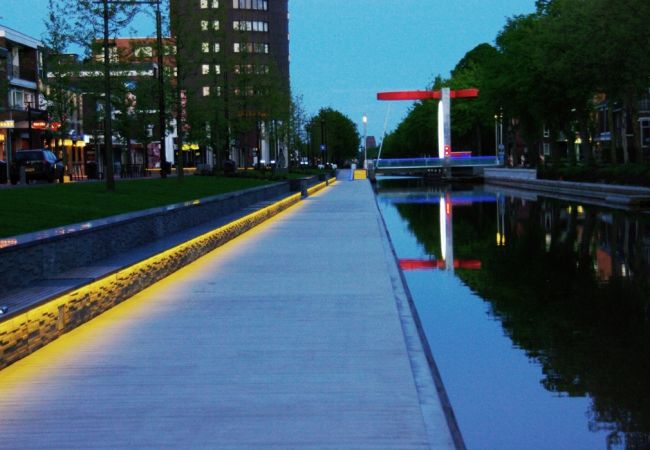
204, 4
206, 91
250, 25
217, 47
171, 72
205, 47
217, 69
546, 149
143, 52
250, 47
261, 5
17, 99
215, 4
645, 132
205, 69
169, 49
215, 25
204, 25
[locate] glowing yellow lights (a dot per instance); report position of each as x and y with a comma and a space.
580, 209
67, 143
501, 239
80, 144
188, 147
312, 190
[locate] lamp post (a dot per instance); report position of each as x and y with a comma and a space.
322, 141
365, 142
161, 93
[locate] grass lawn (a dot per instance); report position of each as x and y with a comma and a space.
40, 207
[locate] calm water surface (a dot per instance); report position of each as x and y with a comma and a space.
537, 312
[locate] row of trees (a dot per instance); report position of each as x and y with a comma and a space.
547, 71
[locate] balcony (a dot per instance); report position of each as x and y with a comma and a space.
22, 73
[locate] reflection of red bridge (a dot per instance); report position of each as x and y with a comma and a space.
422, 264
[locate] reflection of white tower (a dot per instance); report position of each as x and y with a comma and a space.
446, 233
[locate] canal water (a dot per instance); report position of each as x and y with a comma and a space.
537, 312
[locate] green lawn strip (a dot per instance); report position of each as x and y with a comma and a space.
36, 208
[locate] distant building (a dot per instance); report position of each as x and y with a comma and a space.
229, 49
22, 114
623, 125
136, 59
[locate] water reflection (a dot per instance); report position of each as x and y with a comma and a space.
569, 284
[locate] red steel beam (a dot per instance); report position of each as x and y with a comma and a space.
420, 264
426, 95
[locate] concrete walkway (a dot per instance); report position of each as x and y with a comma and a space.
295, 335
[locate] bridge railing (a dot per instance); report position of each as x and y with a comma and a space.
434, 163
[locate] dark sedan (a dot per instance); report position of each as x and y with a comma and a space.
39, 164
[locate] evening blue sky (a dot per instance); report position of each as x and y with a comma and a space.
345, 51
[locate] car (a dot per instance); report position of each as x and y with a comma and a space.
39, 164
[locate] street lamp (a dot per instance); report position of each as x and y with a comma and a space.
323, 145
365, 141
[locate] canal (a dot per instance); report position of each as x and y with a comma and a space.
537, 312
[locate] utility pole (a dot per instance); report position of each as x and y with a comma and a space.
161, 94
322, 141
108, 132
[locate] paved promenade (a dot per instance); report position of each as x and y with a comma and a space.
295, 335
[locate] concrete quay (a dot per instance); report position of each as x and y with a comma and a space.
298, 334
600, 194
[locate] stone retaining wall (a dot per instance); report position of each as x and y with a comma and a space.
26, 332
605, 194
40, 258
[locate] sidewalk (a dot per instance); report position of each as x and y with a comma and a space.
295, 335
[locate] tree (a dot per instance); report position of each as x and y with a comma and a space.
337, 133
59, 91
82, 24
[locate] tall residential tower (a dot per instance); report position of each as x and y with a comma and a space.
233, 69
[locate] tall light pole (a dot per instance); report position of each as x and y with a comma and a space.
365, 141
161, 93
108, 132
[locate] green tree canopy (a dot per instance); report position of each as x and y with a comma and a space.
339, 134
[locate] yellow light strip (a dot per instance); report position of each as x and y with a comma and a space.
31, 330
312, 190
27, 332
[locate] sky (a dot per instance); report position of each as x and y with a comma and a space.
343, 52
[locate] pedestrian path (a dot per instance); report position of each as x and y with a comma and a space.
294, 335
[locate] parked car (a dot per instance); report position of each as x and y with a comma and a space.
40, 164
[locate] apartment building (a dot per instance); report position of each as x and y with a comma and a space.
23, 120
233, 55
